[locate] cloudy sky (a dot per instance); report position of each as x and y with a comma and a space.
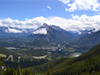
74, 15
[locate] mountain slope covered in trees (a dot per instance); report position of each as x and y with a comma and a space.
85, 64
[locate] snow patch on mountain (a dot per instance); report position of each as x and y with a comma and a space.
40, 31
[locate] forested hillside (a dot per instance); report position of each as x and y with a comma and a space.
86, 64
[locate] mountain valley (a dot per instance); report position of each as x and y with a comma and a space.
46, 44
49, 37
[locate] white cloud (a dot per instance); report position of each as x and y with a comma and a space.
48, 7
73, 5
28, 23
65, 1
40, 31
77, 23
14, 31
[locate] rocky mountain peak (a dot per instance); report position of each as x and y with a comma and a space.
45, 25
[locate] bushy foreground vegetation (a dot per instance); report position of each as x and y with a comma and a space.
19, 71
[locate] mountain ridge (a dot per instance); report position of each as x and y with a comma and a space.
92, 38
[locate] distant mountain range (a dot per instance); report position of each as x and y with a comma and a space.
56, 34
41, 30
82, 33
52, 33
15, 30
91, 38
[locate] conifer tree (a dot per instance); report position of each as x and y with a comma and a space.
13, 72
1, 64
27, 72
48, 71
9, 71
19, 71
